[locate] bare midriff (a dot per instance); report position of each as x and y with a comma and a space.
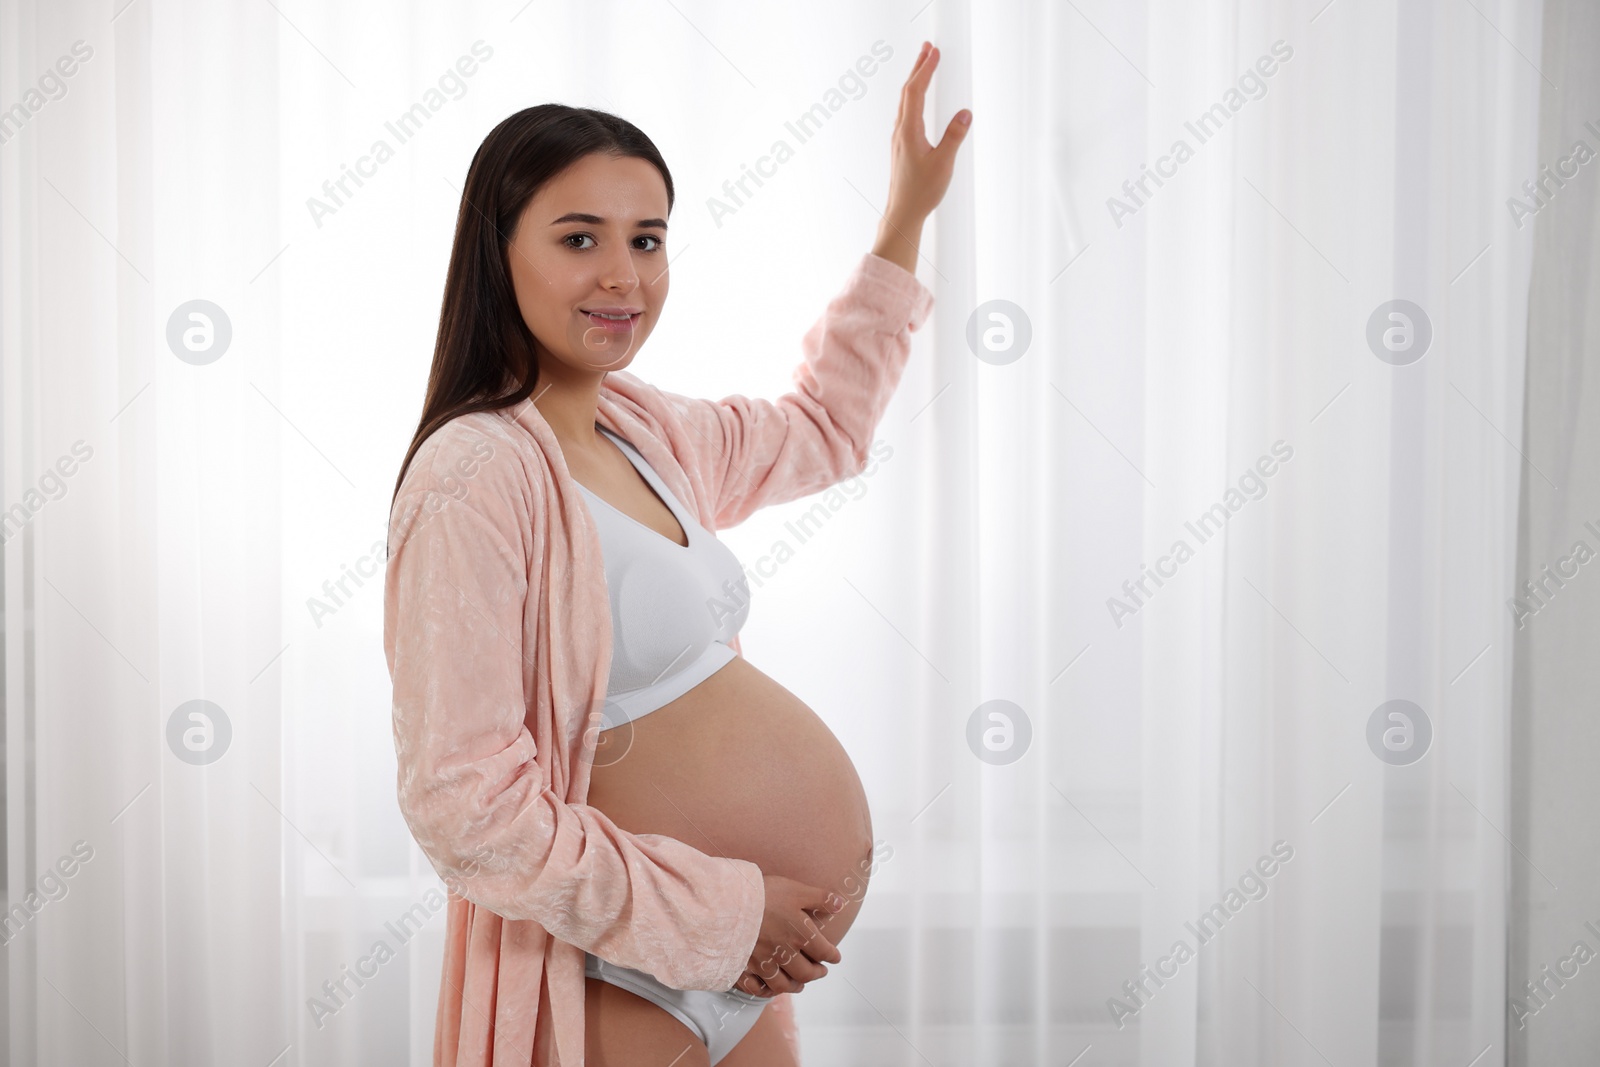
741, 767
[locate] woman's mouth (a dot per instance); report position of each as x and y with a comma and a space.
613, 321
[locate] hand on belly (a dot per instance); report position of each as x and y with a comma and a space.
740, 767
791, 948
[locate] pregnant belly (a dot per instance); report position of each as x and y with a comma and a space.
741, 767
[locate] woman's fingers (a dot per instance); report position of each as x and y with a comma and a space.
750, 982
922, 54
817, 947
914, 94
788, 968
778, 981
797, 964
792, 961
954, 132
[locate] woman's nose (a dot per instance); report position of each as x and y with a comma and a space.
619, 274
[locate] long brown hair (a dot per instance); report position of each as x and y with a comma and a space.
483, 342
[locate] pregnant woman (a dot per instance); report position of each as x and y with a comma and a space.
649, 842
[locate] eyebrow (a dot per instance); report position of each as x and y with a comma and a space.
596, 220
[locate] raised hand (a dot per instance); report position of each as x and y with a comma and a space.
919, 172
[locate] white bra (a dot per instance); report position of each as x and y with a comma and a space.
673, 607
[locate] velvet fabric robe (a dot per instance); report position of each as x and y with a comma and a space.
497, 634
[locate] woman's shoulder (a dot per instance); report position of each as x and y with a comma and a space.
482, 453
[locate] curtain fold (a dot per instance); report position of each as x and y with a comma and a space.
142, 551
1178, 503
1552, 933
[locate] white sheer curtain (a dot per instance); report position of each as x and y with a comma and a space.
1068, 769
1174, 746
1551, 1018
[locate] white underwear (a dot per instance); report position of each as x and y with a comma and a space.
719, 1019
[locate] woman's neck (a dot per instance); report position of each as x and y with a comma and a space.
570, 409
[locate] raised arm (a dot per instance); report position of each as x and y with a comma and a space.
759, 452
472, 785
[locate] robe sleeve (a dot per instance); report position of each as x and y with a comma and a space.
473, 786
755, 452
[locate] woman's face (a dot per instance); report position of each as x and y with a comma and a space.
591, 241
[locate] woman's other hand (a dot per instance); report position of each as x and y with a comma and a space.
790, 949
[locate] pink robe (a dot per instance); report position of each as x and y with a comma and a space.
497, 633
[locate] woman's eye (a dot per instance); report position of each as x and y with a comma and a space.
586, 237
